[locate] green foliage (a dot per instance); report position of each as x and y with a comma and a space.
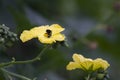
95, 9
47, 8
21, 20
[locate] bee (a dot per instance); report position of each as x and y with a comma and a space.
48, 33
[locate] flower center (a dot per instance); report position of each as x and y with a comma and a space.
48, 33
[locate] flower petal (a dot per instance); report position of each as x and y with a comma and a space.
78, 58
56, 28
87, 65
59, 37
39, 30
26, 35
46, 40
100, 63
72, 65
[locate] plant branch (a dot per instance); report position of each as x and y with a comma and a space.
16, 75
27, 61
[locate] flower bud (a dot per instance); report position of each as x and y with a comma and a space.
100, 76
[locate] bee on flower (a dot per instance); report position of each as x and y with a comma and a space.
45, 34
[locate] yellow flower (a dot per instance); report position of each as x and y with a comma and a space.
87, 64
80, 62
45, 34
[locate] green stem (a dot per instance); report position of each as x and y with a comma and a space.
88, 77
16, 75
27, 61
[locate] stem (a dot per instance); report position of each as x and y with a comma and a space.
88, 77
16, 75
27, 61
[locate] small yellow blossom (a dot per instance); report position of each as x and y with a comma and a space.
45, 34
86, 64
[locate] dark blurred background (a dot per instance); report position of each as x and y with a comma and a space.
92, 29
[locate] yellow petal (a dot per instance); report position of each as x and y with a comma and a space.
56, 28
96, 65
46, 40
78, 58
26, 35
87, 65
33, 33
72, 65
39, 30
59, 37
100, 63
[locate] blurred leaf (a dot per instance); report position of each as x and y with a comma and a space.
91, 8
27, 70
106, 45
21, 20
97, 9
52, 60
2, 75
47, 8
